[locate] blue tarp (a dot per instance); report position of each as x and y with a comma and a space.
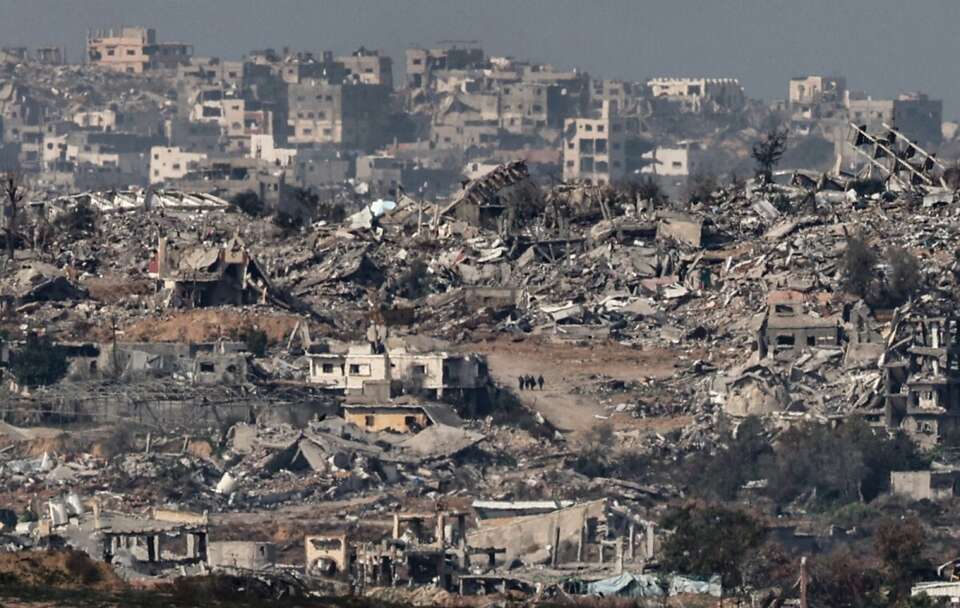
381, 206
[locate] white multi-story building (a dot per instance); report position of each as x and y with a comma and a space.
172, 163
674, 161
594, 149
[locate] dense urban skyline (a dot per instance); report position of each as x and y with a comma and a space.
883, 47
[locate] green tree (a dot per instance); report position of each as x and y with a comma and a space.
922, 601
594, 457
701, 186
814, 459
287, 221
78, 221
414, 282
255, 341
709, 540
880, 454
768, 151
838, 466
899, 545
859, 262
250, 203
746, 456
648, 189
842, 579
39, 362
904, 279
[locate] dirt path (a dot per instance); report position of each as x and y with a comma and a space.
567, 412
564, 368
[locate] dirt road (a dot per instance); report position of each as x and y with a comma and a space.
565, 367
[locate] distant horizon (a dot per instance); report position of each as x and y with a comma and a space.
881, 47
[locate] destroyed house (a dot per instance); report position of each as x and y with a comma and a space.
922, 378
241, 555
425, 548
483, 200
400, 417
597, 531
328, 554
205, 362
925, 485
165, 538
787, 331
364, 368
209, 276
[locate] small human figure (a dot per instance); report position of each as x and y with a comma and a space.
522, 381
531, 383
540, 381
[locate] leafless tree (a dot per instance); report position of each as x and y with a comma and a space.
14, 191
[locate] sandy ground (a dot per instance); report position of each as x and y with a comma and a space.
208, 324
565, 367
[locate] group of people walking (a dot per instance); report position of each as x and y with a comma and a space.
529, 383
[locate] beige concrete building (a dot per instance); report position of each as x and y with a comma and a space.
348, 115
421, 64
368, 67
237, 118
696, 94
171, 163
264, 147
212, 69
523, 107
379, 418
134, 50
925, 485
381, 173
362, 368
914, 114
593, 149
104, 120
54, 149
329, 554
675, 161
809, 90
241, 555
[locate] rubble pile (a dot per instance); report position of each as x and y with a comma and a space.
363, 390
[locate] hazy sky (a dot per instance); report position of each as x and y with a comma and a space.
881, 46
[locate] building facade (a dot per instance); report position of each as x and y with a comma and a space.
134, 50
594, 149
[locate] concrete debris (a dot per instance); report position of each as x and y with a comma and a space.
326, 360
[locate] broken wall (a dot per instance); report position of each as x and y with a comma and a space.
521, 536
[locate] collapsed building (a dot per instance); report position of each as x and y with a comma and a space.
165, 539
919, 392
209, 275
509, 548
496, 199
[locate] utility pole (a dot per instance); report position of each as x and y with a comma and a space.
803, 582
14, 191
113, 328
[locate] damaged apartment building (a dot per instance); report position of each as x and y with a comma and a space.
372, 370
204, 275
920, 388
788, 328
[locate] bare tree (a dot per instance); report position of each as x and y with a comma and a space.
14, 190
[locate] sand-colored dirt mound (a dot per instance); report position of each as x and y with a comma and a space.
66, 569
208, 325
